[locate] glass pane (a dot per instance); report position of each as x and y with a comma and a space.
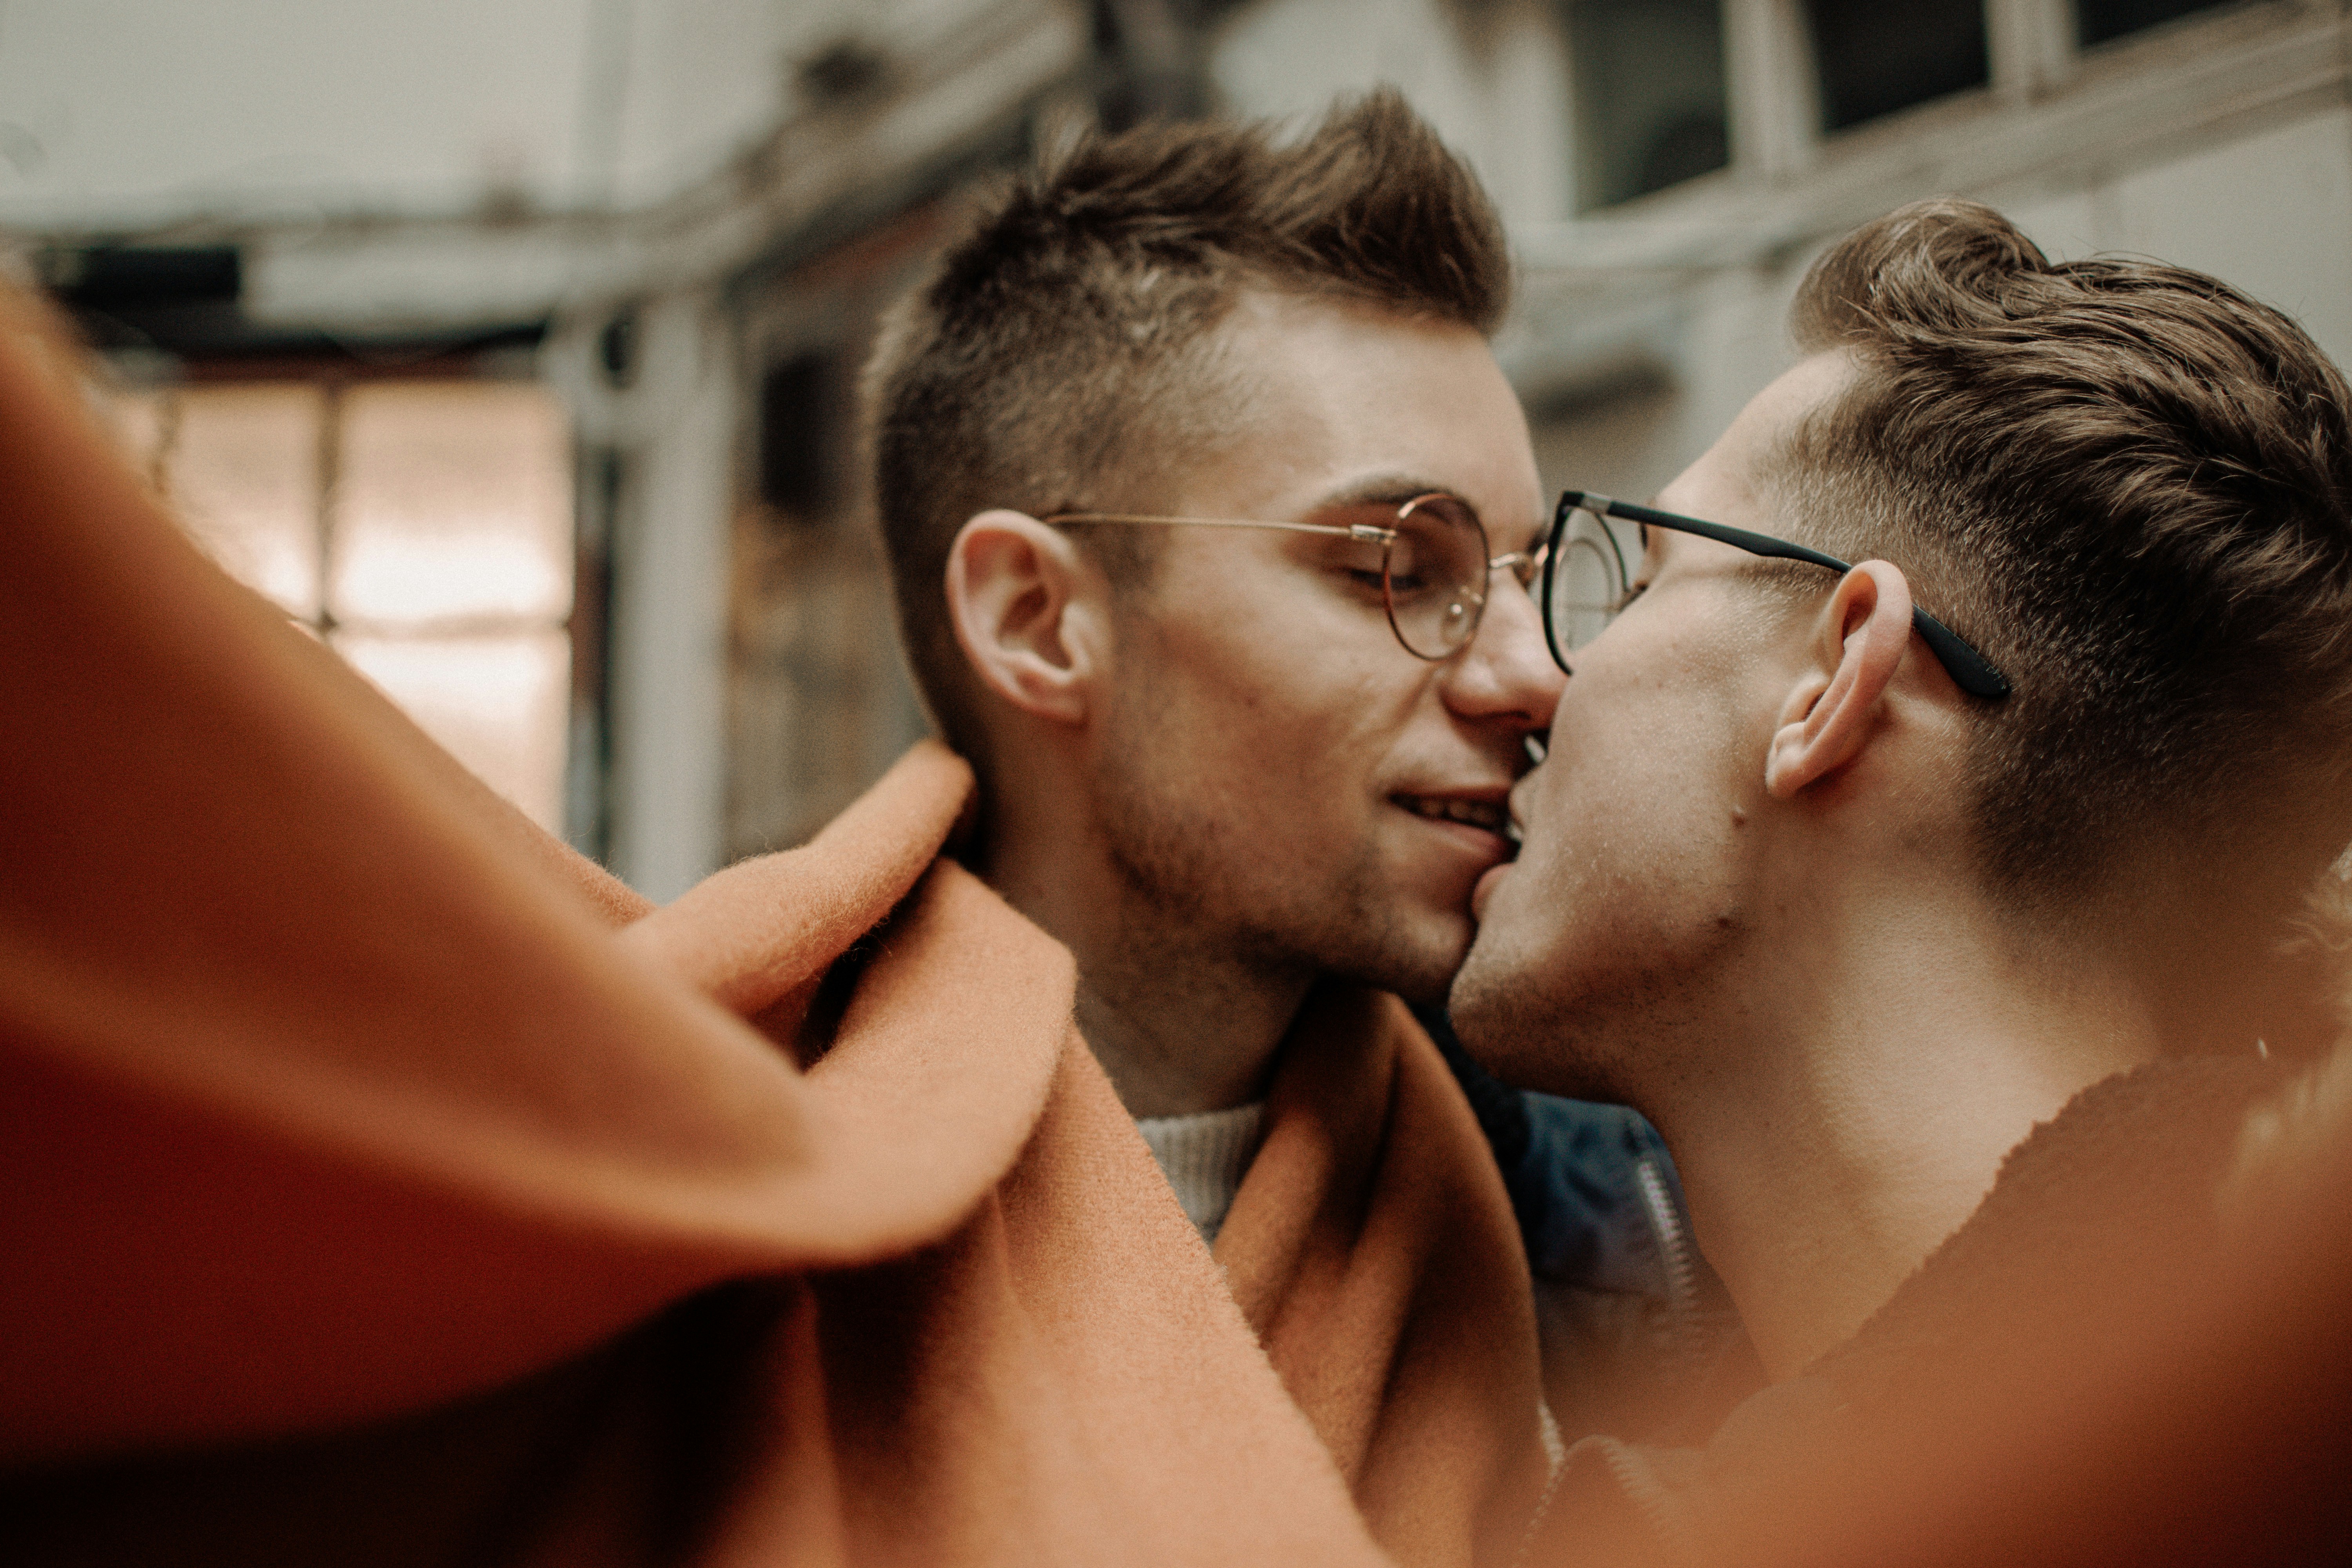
1874, 58
2101, 20
1648, 95
499, 704
453, 503
135, 420
241, 467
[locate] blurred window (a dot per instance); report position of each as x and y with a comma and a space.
2097, 21
424, 529
1649, 108
1874, 58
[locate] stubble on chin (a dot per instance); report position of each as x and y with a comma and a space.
1191, 870
1533, 1041
1501, 1016
1557, 1021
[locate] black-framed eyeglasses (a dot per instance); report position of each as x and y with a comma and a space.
1585, 583
1433, 563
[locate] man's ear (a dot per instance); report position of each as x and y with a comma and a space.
1022, 598
1856, 645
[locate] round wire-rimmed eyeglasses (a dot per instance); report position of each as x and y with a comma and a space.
1433, 563
1585, 583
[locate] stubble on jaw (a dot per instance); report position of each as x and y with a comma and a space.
1609, 1035
1191, 876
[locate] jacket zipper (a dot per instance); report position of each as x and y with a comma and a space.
1673, 1242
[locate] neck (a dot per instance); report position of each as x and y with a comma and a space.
1180, 1017
1868, 1071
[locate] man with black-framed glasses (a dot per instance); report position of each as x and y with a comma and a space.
1585, 581
1936, 796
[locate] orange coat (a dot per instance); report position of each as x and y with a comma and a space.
385, 1182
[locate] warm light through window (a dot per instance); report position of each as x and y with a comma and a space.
424, 528
498, 703
453, 503
243, 471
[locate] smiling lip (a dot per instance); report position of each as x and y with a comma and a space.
1483, 814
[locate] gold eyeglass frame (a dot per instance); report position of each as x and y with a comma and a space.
1523, 564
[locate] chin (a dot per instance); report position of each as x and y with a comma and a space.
1470, 1004
1423, 950
1501, 1020
1535, 1021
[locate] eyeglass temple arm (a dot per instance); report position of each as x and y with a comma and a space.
1971, 670
1371, 532
1355, 531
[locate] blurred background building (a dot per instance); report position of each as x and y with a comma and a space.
510, 344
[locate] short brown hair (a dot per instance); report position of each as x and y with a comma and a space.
1053, 359
2130, 485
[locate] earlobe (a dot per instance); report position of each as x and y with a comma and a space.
1017, 591
1857, 646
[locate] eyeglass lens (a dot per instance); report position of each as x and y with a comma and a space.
1584, 582
1435, 575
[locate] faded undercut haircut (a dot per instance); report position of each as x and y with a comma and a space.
2131, 486
1059, 356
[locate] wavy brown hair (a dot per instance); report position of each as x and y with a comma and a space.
2130, 485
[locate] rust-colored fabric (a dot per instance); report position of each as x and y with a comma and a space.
2133, 1353
1372, 1246
384, 1183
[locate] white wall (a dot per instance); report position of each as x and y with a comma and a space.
1491, 78
707, 78
130, 114
135, 111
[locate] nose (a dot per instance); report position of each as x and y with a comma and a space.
1506, 678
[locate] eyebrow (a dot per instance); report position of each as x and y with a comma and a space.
1391, 488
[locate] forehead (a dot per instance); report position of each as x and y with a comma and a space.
1726, 483
1343, 394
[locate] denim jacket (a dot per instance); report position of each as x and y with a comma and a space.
1639, 1339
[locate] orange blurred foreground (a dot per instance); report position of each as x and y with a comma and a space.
386, 1183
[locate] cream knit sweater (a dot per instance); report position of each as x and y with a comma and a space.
1203, 1157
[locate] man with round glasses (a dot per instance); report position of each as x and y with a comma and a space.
1985, 855
1209, 516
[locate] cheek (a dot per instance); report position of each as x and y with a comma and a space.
1280, 761
1283, 709
1631, 803
1272, 711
